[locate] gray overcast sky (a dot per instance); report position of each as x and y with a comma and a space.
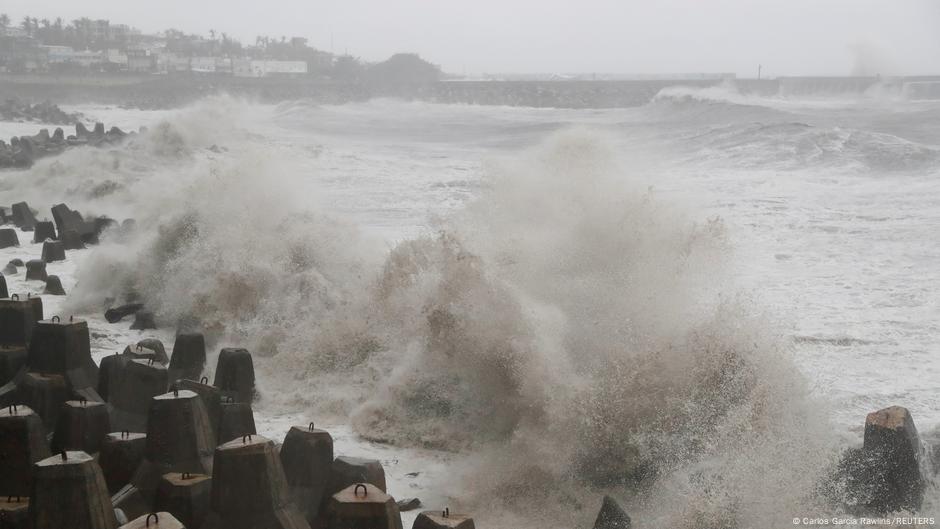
627, 36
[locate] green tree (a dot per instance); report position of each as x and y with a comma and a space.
4, 20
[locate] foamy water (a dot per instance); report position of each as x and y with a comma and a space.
528, 307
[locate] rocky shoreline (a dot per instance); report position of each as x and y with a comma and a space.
23, 151
45, 112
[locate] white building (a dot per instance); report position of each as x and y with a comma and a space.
67, 55
263, 68
202, 64
116, 58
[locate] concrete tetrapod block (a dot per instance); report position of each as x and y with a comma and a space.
307, 458
81, 426
141, 351
12, 360
109, 372
612, 516
236, 420
23, 217
443, 520
348, 471
8, 238
14, 512
156, 520
54, 286
45, 394
71, 240
131, 502
185, 496
53, 251
235, 374
890, 433
120, 456
67, 219
36, 270
132, 390
157, 347
22, 443
116, 314
69, 491
362, 506
144, 320
17, 319
211, 398
44, 230
179, 439
249, 490
188, 358
64, 348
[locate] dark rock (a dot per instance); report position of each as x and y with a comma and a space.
16, 262
54, 286
611, 516
4, 292
9, 270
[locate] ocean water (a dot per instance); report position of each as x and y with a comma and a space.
690, 305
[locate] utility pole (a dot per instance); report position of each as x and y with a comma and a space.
759, 67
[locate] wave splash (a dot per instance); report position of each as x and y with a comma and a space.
570, 330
